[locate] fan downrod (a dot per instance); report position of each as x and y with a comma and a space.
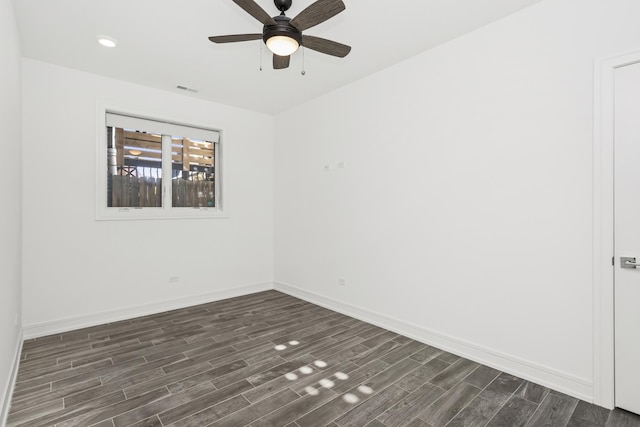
283, 5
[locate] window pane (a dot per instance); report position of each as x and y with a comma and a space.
134, 161
193, 175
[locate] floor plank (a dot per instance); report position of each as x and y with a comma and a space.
477, 413
586, 415
410, 407
555, 410
620, 418
449, 405
515, 413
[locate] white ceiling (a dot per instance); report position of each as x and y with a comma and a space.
163, 43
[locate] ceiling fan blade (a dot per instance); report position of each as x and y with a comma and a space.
252, 8
280, 62
317, 13
326, 46
235, 38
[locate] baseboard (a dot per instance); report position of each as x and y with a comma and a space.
577, 387
79, 322
8, 391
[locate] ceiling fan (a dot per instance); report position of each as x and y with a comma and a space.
283, 35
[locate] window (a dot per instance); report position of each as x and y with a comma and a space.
156, 169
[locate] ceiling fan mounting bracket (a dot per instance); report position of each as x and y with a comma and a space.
283, 5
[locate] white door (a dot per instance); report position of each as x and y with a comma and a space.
627, 237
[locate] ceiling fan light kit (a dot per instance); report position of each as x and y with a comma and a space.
283, 35
282, 45
283, 39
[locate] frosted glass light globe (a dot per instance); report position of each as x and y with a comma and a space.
282, 45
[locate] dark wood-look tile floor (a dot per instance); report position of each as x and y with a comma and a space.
269, 359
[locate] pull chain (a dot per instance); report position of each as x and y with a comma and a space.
303, 72
260, 46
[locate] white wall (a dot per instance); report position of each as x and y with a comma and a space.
464, 210
11, 205
75, 266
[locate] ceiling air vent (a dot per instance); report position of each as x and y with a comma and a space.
188, 89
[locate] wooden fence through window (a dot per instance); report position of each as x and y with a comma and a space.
189, 194
141, 192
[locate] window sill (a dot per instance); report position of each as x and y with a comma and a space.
133, 214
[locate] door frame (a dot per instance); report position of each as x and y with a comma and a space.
603, 223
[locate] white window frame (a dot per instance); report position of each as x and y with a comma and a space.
105, 213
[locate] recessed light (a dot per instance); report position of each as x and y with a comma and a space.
107, 41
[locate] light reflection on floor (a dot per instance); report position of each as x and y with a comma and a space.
312, 391
351, 398
324, 382
291, 376
365, 390
341, 376
320, 364
327, 383
281, 347
306, 370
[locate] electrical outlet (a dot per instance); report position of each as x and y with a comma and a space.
342, 282
174, 279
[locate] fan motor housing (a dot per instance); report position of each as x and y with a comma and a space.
283, 27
